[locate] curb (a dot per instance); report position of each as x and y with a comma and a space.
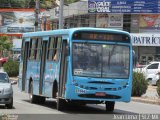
146, 100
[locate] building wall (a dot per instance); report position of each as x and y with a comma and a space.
76, 15
146, 46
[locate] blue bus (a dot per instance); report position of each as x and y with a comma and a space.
77, 65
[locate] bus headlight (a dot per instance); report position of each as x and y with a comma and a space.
74, 82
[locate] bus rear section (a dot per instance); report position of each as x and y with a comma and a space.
100, 68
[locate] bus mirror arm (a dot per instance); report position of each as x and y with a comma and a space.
67, 51
134, 59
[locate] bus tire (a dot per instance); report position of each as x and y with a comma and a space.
60, 104
41, 99
55, 90
110, 106
32, 98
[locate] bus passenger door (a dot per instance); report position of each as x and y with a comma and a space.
25, 58
63, 69
42, 65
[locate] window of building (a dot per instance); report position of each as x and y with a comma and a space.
84, 20
126, 22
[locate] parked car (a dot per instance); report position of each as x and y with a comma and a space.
151, 71
139, 68
6, 91
155, 79
3, 60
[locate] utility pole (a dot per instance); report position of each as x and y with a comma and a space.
36, 15
45, 22
61, 14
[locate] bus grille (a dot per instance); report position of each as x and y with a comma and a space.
107, 96
100, 82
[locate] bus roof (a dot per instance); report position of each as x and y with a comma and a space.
70, 31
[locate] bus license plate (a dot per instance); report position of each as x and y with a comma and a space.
100, 94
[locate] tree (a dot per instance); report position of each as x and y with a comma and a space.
31, 3
5, 44
13, 3
70, 1
53, 3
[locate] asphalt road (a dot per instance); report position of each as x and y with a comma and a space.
24, 108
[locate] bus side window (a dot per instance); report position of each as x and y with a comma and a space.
54, 48
55, 58
33, 49
50, 48
38, 48
57, 48
30, 46
23, 49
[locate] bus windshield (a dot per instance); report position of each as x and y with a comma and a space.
100, 60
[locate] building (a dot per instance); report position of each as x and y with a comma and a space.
15, 22
141, 18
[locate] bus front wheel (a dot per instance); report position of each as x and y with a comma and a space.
60, 104
110, 106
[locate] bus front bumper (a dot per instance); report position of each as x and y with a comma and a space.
77, 93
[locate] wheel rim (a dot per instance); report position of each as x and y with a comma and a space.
30, 96
56, 96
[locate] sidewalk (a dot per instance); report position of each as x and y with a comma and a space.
150, 96
14, 78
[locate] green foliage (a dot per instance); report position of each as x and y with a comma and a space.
158, 88
12, 68
5, 44
139, 84
31, 3
14, 3
70, 1
53, 4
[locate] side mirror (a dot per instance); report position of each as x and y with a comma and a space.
67, 50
